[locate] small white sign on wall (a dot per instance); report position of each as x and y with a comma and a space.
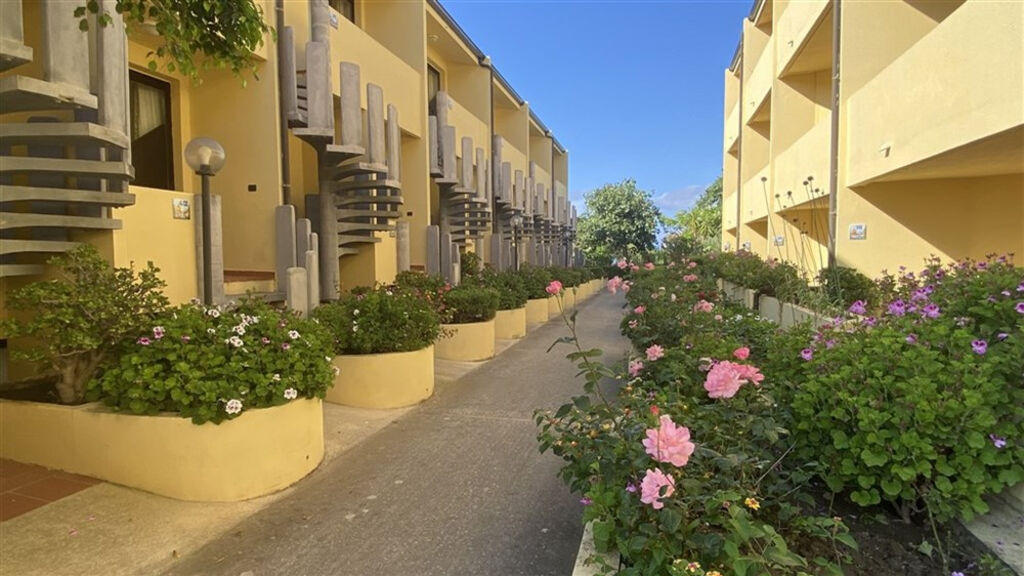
746, 246
334, 19
181, 208
780, 240
858, 231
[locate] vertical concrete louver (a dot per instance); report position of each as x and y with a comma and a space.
59, 177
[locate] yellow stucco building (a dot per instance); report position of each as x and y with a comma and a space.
875, 134
380, 123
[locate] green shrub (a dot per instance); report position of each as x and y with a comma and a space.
470, 265
380, 321
210, 364
569, 277
536, 280
511, 288
467, 304
79, 318
429, 288
843, 286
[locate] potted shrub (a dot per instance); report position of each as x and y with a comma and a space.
538, 302
510, 319
383, 345
468, 324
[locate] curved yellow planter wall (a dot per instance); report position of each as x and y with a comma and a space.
260, 452
510, 324
554, 311
537, 311
383, 380
467, 343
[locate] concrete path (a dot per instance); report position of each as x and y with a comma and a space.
453, 487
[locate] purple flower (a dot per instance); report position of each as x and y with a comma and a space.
919, 294
1020, 287
997, 441
586, 501
911, 338
898, 308
1002, 336
979, 346
144, 341
870, 321
859, 308
956, 573
829, 344
285, 346
1020, 307
265, 340
930, 311
807, 354
185, 339
1005, 293
631, 488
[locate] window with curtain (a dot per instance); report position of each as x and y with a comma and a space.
152, 148
433, 87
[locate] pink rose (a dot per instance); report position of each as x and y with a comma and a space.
741, 353
654, 352
656, 486
634, 267
622, 264
633, 323
725, 378
614, 284
649, 266
669, 443
626, 286
703, 306
690, 278
640, 309
554, 288
635, 366
691, 265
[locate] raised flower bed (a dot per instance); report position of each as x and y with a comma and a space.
510, 324
536, 311
383, 344
469, 331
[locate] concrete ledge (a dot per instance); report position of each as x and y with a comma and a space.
467, 342
262, 451
537, 311
554, 309
588, 559
383, 381
510, 324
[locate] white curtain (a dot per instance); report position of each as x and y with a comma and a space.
149, 109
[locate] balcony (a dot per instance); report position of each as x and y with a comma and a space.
808, 156
759, 85
755, 196
378, 65
803, 37
732, 130
729, 211
467, 124
941, 110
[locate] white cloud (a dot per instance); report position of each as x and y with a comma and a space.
675, 200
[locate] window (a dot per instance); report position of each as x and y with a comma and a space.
346, 8
152, 149
433, 87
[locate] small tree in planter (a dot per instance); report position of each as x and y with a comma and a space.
511, 287
536, 281
80, 317
469, 304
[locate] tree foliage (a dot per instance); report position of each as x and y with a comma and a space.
197, 34
702, 224
620, 219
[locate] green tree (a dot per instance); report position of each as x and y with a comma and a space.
619, 220
224, 32
702, 224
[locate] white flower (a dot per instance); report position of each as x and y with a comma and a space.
211, 331
336, 370
355, 312
195, 301
158, 332
355, 328
328, 358
291, 394
233, 406
276, 378
235, 341
240, 329
293, 334
213, 313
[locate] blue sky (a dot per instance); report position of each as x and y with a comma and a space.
633, 89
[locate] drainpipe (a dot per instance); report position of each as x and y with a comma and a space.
495, 224
282, 114
833, 193
739, 154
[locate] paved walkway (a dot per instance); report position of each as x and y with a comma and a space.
454, 487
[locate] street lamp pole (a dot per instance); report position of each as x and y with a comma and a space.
206, 157
517, 224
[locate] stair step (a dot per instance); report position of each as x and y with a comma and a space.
19, 193
358, 169
14, 220
13, 53
335, 154
21, 269
345, 239
24, 94
379, 184
67, 167
9, 246
355, 226
357, 213
61, 133
446, 181
315, 136
351, 200
296, 120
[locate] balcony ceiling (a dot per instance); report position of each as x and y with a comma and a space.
502, 99
446, 42
816, 52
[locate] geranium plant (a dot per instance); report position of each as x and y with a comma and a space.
380, 321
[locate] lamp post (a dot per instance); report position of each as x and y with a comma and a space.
517, 225
567, 236
205, 156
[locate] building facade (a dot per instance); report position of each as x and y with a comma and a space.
875, 134
377, 138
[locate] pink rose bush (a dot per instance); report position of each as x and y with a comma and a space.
725, 378
669, 443
690, 278
656, 486
639, 310
654, 352
635, 366
703, 306
649, 266
614, 284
